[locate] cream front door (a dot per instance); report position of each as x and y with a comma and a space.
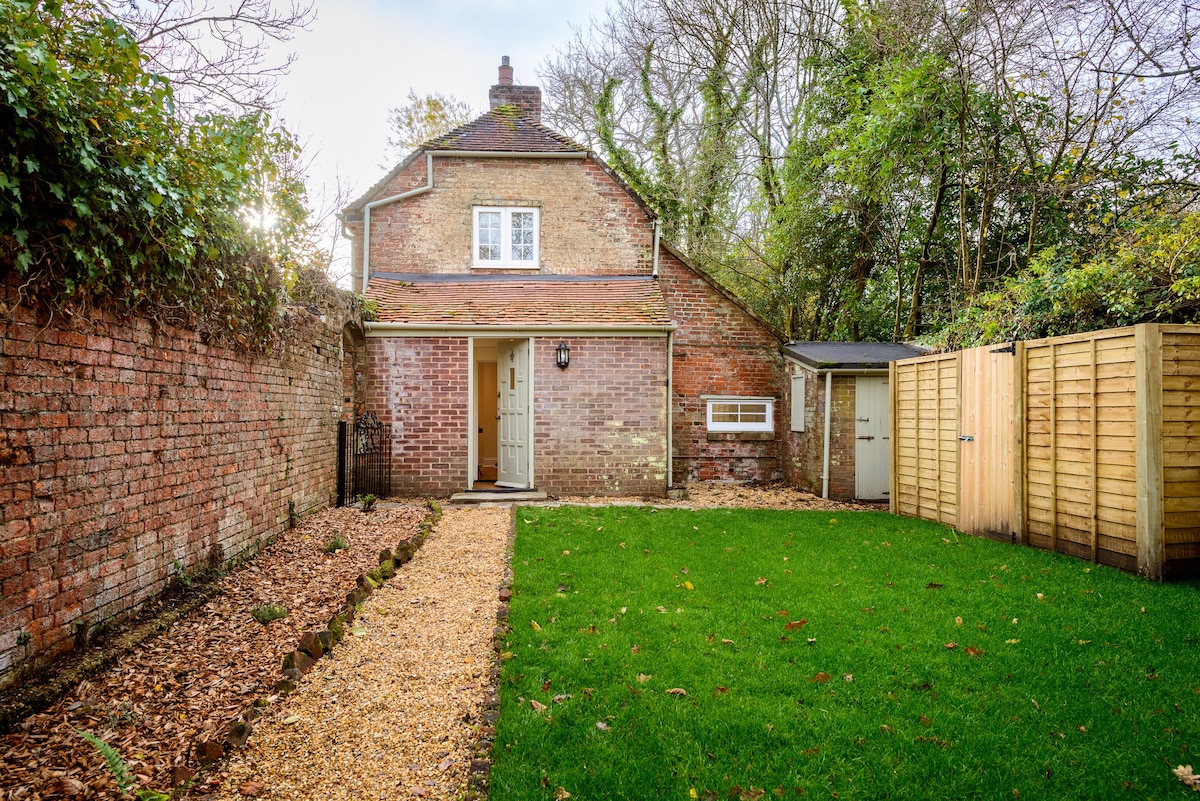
872, 457
512, 368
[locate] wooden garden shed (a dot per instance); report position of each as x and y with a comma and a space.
1086, 444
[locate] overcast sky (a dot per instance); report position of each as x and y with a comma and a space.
360, 57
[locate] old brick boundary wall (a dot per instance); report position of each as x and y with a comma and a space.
131, 453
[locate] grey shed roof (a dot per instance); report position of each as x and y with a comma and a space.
849, 355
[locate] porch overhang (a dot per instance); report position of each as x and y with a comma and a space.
508, 331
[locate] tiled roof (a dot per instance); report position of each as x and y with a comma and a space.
520, 301
505, 129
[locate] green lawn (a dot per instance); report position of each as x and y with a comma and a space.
848, 655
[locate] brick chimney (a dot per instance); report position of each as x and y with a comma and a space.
504, 93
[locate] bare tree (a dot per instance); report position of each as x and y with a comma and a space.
217, 55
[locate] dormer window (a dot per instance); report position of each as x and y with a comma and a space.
506, 237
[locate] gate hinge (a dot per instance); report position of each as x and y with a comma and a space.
1011, 347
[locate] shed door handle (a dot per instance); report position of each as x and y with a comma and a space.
868, 438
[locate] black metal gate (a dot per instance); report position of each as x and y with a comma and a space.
364, 459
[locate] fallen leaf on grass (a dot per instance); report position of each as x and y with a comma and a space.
958, 621
538, 707
661, 609
561, 795
973, 651
546, 686
950, 646
933, 585
644, 677
1185, 775
792, 625
925, 721
760, 580
558, 699
848, 677
602, 726
676, 691
534, 625
637, 649
719, 690
689, 585
726, 642
1012, 642
820, 678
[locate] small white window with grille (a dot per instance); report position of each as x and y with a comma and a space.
741, 414
505, 237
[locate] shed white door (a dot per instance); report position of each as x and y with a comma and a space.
871, 447
512, 370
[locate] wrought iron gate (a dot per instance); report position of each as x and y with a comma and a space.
364, 459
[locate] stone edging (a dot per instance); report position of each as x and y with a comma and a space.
313, 644
481, 760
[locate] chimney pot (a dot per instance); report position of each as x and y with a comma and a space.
527, 98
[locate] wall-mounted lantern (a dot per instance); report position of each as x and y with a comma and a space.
562, 355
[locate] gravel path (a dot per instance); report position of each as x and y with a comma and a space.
395, 712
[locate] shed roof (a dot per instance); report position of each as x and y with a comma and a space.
850, 355
518, 300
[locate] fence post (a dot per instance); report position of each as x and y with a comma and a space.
341, 463
1020, 382
1148, 384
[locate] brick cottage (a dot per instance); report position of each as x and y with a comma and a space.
534, 331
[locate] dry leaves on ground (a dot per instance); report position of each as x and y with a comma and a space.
192, 683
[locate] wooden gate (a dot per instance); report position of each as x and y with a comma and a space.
987, 441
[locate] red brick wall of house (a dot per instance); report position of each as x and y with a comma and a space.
719, 350
129, 453
600, 425
804, 450
588, 223
419, 385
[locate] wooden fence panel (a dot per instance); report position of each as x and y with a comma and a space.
1080, 446
925, 437
1181, 449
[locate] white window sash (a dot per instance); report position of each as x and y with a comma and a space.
512, 241
749, 414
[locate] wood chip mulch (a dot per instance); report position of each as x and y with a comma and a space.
191, 683
396, 712
755, 495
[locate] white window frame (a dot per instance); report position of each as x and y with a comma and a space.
506, 260
740, 427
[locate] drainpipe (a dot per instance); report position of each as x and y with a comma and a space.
670, 391
657, 236
420, 190
828, 409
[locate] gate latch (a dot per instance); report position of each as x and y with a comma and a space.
866, 438
966, 437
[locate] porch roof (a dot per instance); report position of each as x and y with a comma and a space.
518, 300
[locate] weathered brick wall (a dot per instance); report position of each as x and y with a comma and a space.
804, 450
588, 223
719, 350
419, 386
599, 425
129, 453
